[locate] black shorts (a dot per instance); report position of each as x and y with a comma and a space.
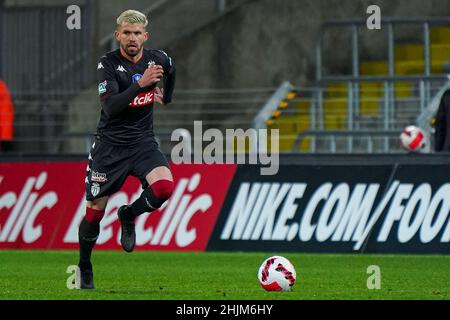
109, 166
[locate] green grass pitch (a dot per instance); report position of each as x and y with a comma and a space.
220, 276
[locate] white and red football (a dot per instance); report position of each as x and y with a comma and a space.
277, 274
413, 138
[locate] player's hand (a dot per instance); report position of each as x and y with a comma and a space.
151, 76
159, 94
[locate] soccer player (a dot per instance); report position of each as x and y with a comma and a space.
124, 142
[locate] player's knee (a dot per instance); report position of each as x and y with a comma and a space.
162, 189
94, 215
98, 204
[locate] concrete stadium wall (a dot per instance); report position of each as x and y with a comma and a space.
265, 42
262, 42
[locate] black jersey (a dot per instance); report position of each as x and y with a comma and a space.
127, 109
442, 124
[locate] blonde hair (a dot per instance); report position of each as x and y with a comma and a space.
132, 16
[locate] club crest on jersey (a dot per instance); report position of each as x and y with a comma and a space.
102, 87
135, 78
95, 189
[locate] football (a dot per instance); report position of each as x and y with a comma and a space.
413, 138
277, 274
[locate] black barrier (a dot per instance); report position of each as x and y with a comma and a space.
339, 206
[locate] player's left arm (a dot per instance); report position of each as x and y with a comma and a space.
166, 92
440, 125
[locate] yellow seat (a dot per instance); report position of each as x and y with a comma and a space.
335, 113
441, 51
290, 125
371, 89
402, 67
417, 67
374, 68
287, 142
403, 89
336, 90
409, 51
302, 106
370, 106
440, 35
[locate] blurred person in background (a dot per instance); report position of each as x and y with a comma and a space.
6, 118
442, 124
125, 143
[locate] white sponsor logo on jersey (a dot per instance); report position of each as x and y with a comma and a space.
142, 99
98, 176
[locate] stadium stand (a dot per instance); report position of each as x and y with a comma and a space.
376, 109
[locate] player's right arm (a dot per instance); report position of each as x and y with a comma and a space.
113, 102
152, 75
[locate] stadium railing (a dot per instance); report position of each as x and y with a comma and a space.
51, 126
425, 80
402, 88
351, 141
302, 114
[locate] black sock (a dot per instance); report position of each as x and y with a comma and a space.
87, 236
147, 202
